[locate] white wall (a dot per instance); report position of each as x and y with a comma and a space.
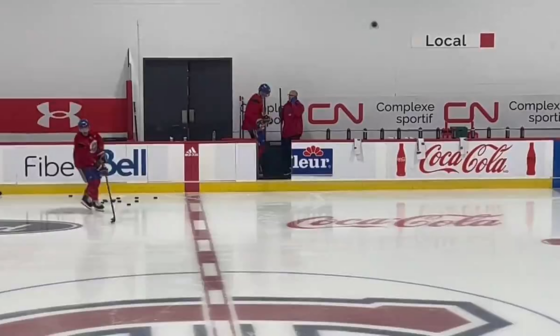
77, 48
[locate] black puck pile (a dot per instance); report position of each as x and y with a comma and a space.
116, 200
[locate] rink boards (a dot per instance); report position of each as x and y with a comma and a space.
317, 165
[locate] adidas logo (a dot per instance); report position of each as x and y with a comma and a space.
191, 152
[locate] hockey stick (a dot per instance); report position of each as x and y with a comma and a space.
135, 122
280, 114
114, 219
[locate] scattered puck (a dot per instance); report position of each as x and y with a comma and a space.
136, 197
113, 201
136, 201
0, 193
128, 204
119, 201
155, 197
70, 196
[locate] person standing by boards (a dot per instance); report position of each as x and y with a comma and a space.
292, 128
254, 111
89, 159
255, 120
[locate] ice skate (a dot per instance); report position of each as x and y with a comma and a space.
98, 206
86, 201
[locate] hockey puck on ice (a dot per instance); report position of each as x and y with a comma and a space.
136, 197
128, 204
136, 201
70, 196
155, 197
552, 241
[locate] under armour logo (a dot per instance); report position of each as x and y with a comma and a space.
45, 120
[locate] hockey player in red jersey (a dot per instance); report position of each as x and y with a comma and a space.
254, 111
256, 121
89, 159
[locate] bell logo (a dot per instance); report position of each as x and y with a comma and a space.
45, 120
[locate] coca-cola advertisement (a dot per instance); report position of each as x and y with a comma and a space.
434, 221
465, 160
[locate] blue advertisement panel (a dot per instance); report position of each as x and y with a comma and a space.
556, 166
313, 160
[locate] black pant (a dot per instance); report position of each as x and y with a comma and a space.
287, 153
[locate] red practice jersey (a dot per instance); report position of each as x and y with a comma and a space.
87, 149
293, 122
253, 112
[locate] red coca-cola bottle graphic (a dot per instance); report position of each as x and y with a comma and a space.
401, 161
531, 160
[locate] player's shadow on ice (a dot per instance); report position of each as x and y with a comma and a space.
69, 211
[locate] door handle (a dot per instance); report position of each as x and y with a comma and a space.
191, 115
187, 117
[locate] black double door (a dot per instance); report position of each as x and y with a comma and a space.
187, 99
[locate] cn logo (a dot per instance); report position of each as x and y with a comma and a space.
45, 120
472, 109
338, 108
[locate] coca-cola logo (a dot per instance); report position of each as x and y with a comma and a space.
484, 158
439, 220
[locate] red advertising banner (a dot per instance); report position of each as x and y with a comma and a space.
478, 158
61, 115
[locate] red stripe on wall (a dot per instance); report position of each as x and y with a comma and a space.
129, 110
60, 115
192, 173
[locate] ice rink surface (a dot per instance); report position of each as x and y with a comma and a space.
307, 264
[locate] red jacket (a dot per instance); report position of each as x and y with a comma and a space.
292, 119
87, 149
253, 112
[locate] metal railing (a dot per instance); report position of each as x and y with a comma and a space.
411, 133
440, 133
425, 133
